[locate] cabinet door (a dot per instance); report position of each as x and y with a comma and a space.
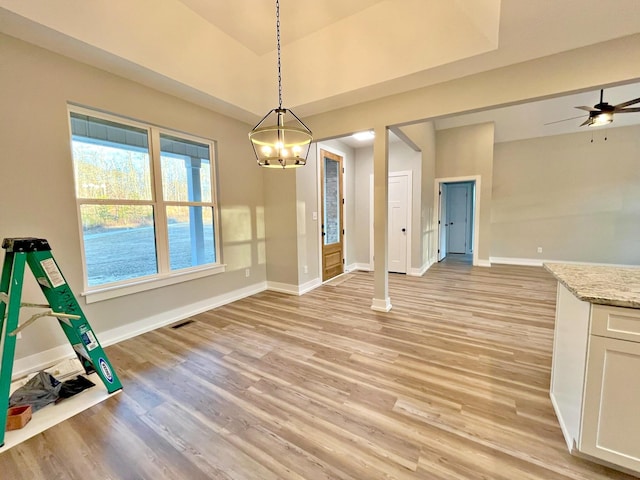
610, 417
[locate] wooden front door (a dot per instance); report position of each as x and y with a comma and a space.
332, 218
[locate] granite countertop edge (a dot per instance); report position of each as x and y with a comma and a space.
589, 293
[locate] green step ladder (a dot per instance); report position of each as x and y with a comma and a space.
36, 253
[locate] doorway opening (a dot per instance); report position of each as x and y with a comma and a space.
458, 219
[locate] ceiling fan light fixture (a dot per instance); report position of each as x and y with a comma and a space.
600, 118
280, 139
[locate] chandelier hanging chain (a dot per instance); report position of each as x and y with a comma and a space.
278, 41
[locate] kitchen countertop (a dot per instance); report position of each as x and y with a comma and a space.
601, 284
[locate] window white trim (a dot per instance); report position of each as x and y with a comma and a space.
149, 283
165, 275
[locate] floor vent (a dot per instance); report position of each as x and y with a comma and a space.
182, 324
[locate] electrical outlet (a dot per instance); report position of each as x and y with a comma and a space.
314, 216
247, 272
539, 249
305, 269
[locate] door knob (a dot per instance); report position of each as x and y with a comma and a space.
404, 229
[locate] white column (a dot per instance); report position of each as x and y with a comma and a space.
381, 300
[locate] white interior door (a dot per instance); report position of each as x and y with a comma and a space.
457, 215
442, 223
398, 223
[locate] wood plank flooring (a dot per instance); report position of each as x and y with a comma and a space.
451, 384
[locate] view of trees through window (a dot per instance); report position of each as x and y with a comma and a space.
114, 176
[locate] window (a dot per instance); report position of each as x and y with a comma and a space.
146, 200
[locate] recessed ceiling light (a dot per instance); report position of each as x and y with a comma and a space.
368, 135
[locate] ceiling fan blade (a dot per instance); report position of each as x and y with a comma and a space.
586, 122
564, 120
626, 104
588, 109
628, 110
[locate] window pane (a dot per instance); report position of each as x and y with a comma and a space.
110, 160
191, 240
119, 242
331, 201
186, 170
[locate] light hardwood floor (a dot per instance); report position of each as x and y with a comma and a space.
451, 384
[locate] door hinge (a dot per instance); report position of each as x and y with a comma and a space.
343, 231
438, 250
343, 261
343, 201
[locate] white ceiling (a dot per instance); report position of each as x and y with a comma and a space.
221, 53
553, 116
252, 22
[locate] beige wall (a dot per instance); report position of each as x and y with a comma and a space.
578, 200
308, 229
37, 191
464, 152
281, 228
423, 135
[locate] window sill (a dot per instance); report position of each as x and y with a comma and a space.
100, 294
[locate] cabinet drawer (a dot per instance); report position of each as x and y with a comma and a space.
615, 322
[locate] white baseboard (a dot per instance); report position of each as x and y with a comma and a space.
42, 360
291, 289
310, 285
538, 262
351, 267
484, 263
279, 287
381, 305
529, 262
363, 267
418, 272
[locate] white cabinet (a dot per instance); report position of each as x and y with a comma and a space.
611, 416
595, 380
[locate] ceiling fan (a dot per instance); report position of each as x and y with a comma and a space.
602, 113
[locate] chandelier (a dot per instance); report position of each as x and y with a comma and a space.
280, 139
